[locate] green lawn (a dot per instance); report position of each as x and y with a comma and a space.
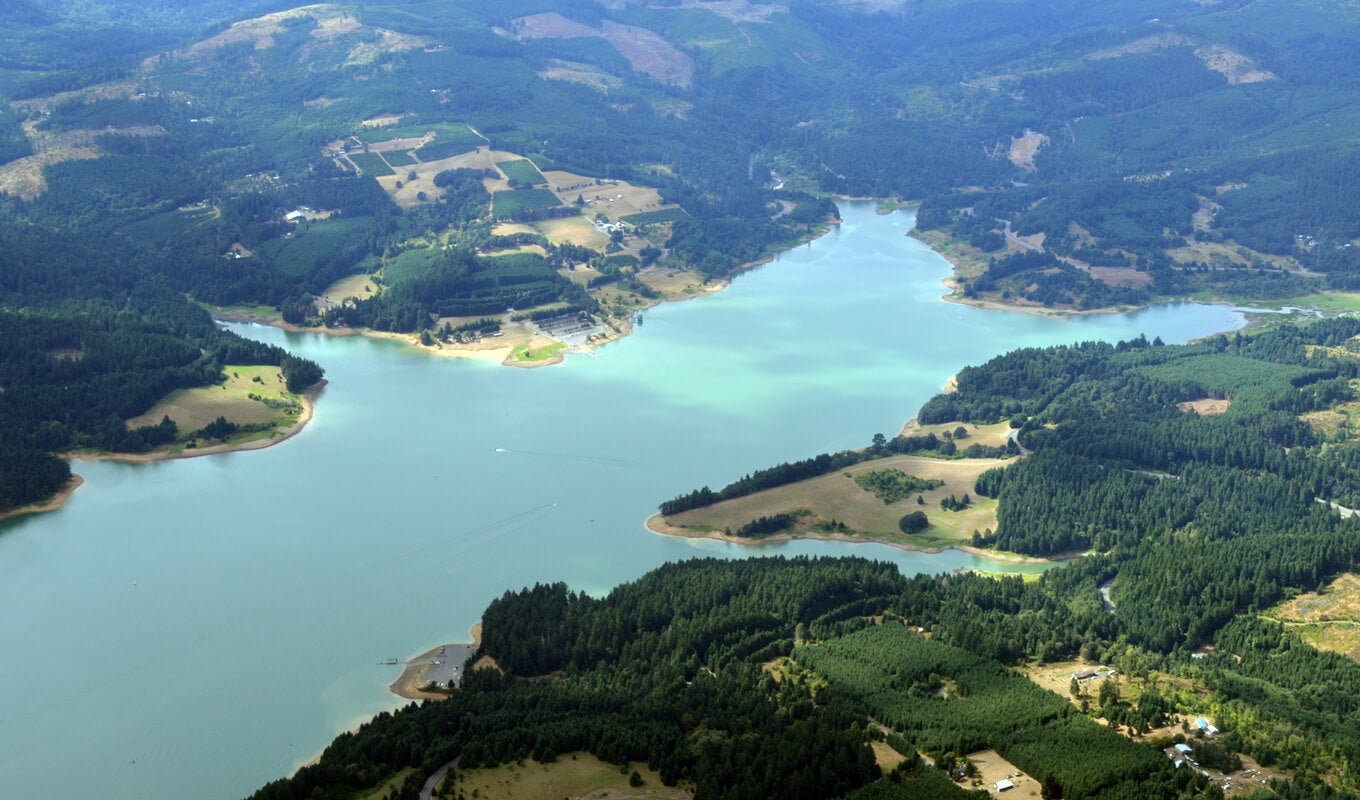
371, 164
398, 158
508, 204
522, 171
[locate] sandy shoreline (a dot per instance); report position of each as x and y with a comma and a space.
58, 500
657, 524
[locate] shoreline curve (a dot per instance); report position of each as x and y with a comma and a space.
307, 397
58, 500
657, 524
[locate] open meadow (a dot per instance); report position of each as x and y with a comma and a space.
836, 497
192, 409
1329, 619
574, 775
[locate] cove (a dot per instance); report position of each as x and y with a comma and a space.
200, 627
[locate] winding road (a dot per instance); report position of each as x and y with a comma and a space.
427, 791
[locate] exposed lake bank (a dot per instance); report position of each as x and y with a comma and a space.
657, 524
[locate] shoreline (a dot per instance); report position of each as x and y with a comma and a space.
474, 633
58, 500
307, 397
413, 673
657, 524
622, 328
1255, 314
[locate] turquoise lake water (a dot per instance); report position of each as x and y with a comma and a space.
200, 627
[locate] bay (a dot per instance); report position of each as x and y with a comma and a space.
200, 627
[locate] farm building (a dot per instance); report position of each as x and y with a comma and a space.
1003, 784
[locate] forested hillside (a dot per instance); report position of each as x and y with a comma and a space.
1198, 523
1069, 154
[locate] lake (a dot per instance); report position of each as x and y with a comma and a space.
200, 627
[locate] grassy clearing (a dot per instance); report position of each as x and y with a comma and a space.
311, 241
886, 757
508, 204
573, 775
388, 788
679, 285
1327, 302
836, 497
445, 148
427, 132
191, 409
664, 215
968, 261
991, 767
398, 158
521, 170
159, 227
371, 164
409, 264
613, 199
576, 72
988, 435
360, 286
1339, 601
573, 230
527, 354
1057, 678
1206, 407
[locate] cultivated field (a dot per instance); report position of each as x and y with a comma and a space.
407, 195
575, 775
837, 497
191, 409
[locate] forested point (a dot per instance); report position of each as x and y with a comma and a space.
771, 677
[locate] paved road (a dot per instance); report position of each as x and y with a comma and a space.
1105, 595
1011, 237
427, 790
